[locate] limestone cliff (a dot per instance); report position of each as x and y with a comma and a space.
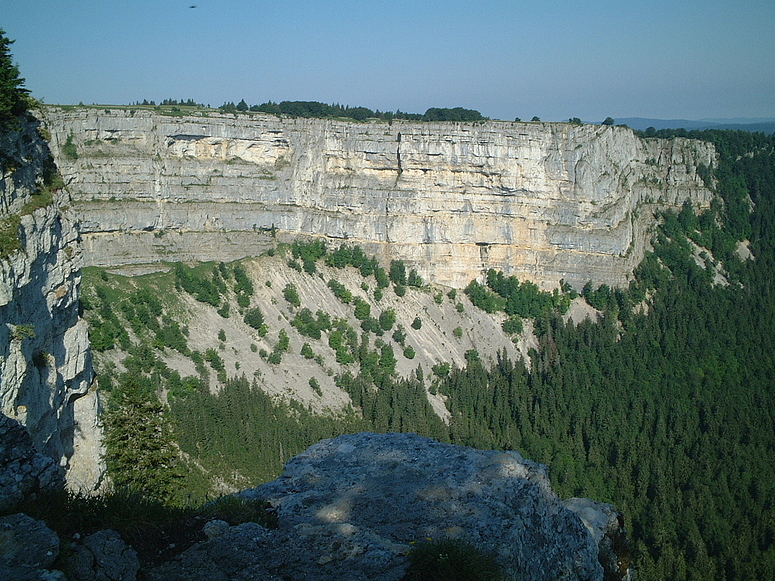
544, 201
45, 366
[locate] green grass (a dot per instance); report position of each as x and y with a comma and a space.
9, 235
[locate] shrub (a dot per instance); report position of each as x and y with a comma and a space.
307, 351
362, 309
512, 325
198, 285
371, 324
211, 356
484, 298
417, 323
387, 319
414, 279
397, 272
441, 369
291, 295
399, 335
451, 560
457, 332
340, 291
409, 352
399, 289
381, 277
283, 342
69, 148
305, 324
21, 332
254, 317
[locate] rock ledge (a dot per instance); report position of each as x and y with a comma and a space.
350, 508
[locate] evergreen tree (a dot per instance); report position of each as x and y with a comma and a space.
139, 452
14, 98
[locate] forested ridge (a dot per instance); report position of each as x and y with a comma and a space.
664, 407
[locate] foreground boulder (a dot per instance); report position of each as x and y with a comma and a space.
27, 549
23, 471
351, 508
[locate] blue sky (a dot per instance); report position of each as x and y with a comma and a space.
587, 58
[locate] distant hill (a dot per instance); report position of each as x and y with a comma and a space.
766, 125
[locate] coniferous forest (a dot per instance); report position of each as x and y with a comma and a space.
664, 407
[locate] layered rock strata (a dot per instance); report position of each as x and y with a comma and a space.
45, 366
544, 201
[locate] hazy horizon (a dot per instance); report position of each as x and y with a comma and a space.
506, 59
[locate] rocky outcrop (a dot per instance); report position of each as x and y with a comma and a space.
29, 551
45, 367
351, 508
544, 201
28, 548
24, 472
103, 556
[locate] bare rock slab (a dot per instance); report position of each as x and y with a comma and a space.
351, 507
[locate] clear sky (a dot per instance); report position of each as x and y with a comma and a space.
689, 59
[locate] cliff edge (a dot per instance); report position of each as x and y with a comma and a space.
543, 201
45, 362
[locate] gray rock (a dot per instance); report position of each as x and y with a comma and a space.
23, 471
27, 549
349, 508
104, 556
215, 528
45, 362
29, 574
607, 528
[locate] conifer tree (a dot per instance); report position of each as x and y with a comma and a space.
138, 440
13, 97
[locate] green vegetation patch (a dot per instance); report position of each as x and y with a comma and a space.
451, 560
523, 299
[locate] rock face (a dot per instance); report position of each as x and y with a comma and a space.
23, 471
351, 507
45, 366
544, 201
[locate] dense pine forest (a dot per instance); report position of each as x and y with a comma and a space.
664, 406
